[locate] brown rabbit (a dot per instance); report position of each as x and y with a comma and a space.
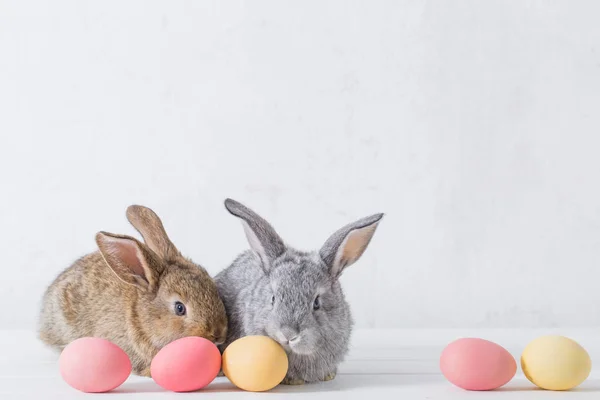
139, 296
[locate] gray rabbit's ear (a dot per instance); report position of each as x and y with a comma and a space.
262, 237
131, 261
346, 245
152, 230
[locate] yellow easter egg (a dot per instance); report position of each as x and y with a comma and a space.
555, 363
255, 363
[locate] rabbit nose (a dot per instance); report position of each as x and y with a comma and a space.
289, 335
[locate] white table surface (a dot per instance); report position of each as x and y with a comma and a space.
28, 370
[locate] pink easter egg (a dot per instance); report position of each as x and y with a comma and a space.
94, 365
186, 365
477, 364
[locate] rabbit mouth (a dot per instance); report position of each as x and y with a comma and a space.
296, 346
300, 342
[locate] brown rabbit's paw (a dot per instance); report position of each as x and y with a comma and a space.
145, 372
330, 377
292, 381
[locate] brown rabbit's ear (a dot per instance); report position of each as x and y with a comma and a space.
152, 230
130, 260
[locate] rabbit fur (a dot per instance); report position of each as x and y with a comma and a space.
293, 296
128, 293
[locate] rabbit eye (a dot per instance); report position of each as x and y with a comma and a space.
317, 303
273, 300
179, 308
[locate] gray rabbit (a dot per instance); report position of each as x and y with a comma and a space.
294, 297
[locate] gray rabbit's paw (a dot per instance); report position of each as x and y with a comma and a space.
330, 377
292, 381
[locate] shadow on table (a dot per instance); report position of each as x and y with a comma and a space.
344, 383
149, 386
589, 386
341, 384
145, 386
349, 382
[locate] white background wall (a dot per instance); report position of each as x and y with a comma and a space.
473, 125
